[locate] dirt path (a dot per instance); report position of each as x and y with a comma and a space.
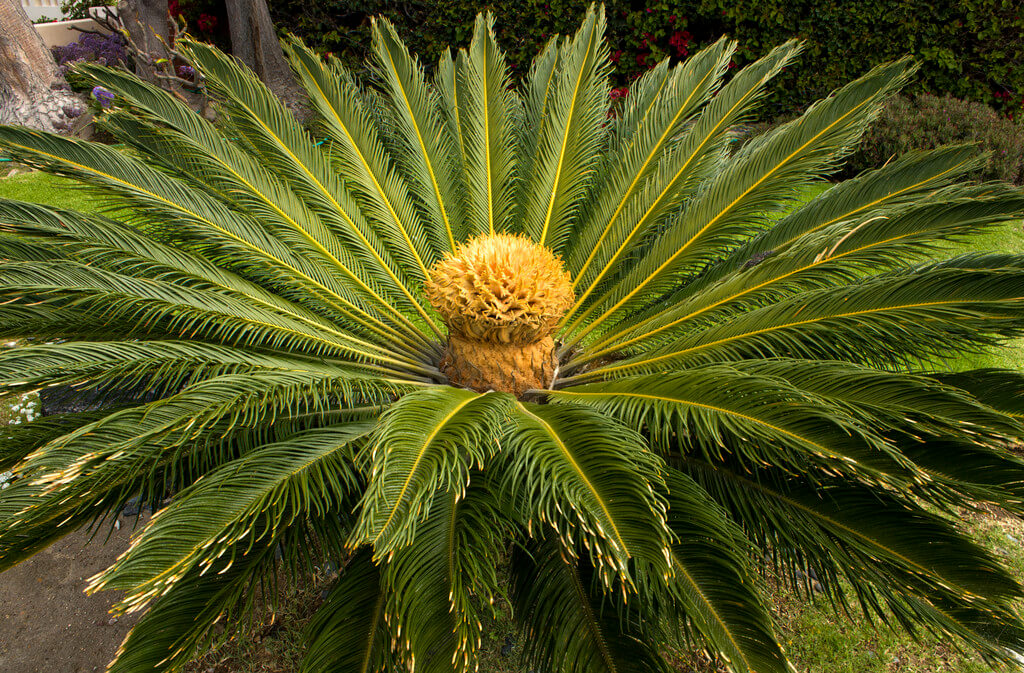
47, 623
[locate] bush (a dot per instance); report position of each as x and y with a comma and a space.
94, 48
927, 122
970, 49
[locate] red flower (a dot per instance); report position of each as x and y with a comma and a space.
641, 59
616, 55
207, 22
671, 18
620, 92
172, 8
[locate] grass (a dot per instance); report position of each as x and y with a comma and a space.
48, 190
816, 639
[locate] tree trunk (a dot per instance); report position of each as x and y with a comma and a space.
147, 24
254, 41
32, 92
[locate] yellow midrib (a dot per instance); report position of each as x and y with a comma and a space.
664, 193
367, 170
716, 218
708, 407
419, 458
565, 137
606, 342
629, 191
352, 226
730, 298
773, 328
212, 225
711, 608
426, 157
579, 471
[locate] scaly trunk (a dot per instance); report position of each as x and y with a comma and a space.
507, 368
32, 93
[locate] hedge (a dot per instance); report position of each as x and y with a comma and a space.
970, 49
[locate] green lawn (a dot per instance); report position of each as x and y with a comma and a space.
46, 189
816, 639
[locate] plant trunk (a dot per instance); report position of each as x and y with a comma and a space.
149, 32
32, 92
507, 368
254, 42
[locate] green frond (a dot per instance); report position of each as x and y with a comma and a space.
252, 498
842, 252
486, 105
904, 181
427, 441
569, 625
155, 198
569, 139
880, 541
711, 577
763, 419
260, 117
680, 173
999, 388
349, 633
760, 176
589, 478
128, 450
108, 244
437, 583
378, 187
890, 319
181, 622
660, 105
425, 153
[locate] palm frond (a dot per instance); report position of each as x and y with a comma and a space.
349, 633
569, 137
437, 583
764, 419
661, 104
922, 312
486, 105
309, 474
760, 176
840, 253
683, 170
424, 151
568, 625
591, 480
427, 441
260, 117
712, 579
380, 190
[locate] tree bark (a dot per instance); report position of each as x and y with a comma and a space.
32, 92
254, 41
147, 24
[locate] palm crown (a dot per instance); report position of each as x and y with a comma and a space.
481, 325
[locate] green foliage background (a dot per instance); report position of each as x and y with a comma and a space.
972, 49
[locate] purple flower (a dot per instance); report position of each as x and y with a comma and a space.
186, 72
102, 96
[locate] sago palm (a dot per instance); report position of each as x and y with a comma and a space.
485, 341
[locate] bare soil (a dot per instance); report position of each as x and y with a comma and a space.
47, 623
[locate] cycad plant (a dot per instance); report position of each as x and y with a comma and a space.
465, 325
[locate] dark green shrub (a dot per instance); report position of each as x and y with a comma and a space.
927, 122
971, 49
